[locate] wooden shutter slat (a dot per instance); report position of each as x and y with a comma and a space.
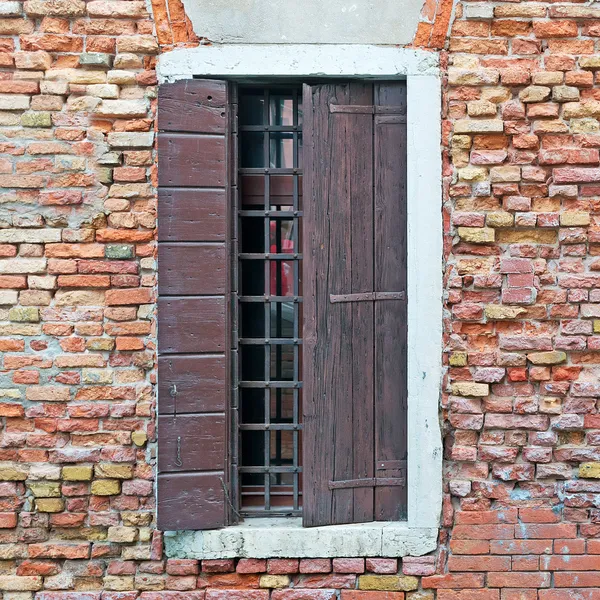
190, 325
191, 500
338, 394
190, 375
193, 281
192, 160
349, 382
390, 317
186, 215
189, 267
194, 441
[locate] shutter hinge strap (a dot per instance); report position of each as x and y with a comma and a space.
366, 297
366, 483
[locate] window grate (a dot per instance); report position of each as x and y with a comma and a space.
267, 470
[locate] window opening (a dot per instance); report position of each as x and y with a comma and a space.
267, 470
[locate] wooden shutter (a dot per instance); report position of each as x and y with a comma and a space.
193, 341
354, 303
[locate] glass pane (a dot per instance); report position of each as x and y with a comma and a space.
253, 320
300, 162
282, 277
252, 277
253, 237
282, 405
253, 363
282, 235
281, 109
282, 150
252, 404
282, 448
282, 362
252, 109
252, 152
282, 319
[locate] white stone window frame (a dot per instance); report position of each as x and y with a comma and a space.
285, 537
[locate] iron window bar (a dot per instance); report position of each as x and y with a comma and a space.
267, 468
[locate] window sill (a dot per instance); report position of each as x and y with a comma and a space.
286, 538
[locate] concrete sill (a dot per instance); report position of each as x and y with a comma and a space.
286, 538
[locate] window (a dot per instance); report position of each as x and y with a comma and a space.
267, 399
253, 334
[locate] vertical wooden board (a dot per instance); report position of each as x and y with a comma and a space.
188, 269
191, 501
195, 441
359, 153
338, 197
191, 325
193, 105
200, 382
193, 347
188, 215
191, 160
390, 316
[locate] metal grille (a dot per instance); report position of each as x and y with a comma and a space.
267, 361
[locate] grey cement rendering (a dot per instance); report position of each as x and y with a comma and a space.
305, 21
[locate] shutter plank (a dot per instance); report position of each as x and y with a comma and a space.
194, 440
189, 215
190, 325
191, 160
193, 280
360, 169
190, 501
190, 269
200, 383
354, 303
338, 259
192, 107
390, 317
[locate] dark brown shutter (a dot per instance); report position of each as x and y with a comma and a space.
354, 303
193, 363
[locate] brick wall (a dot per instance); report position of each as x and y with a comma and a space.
522, 327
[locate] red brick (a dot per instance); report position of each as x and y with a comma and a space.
282, 566
365, 595
322, 565
519, 580
130, 296
456, 580
479, 563
577, 579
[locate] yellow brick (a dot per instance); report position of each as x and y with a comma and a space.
45, 489
597, 326
497, 312
477, 235
572, 218
458, 359
470, 388
122, 534
500, 219
12, 472
118, 583
274, 581
590, 470
139, 438
461, 141
77, 473
388, 583
50, 505
527, 236
472, 174
106, 487
111, 471
547, 358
